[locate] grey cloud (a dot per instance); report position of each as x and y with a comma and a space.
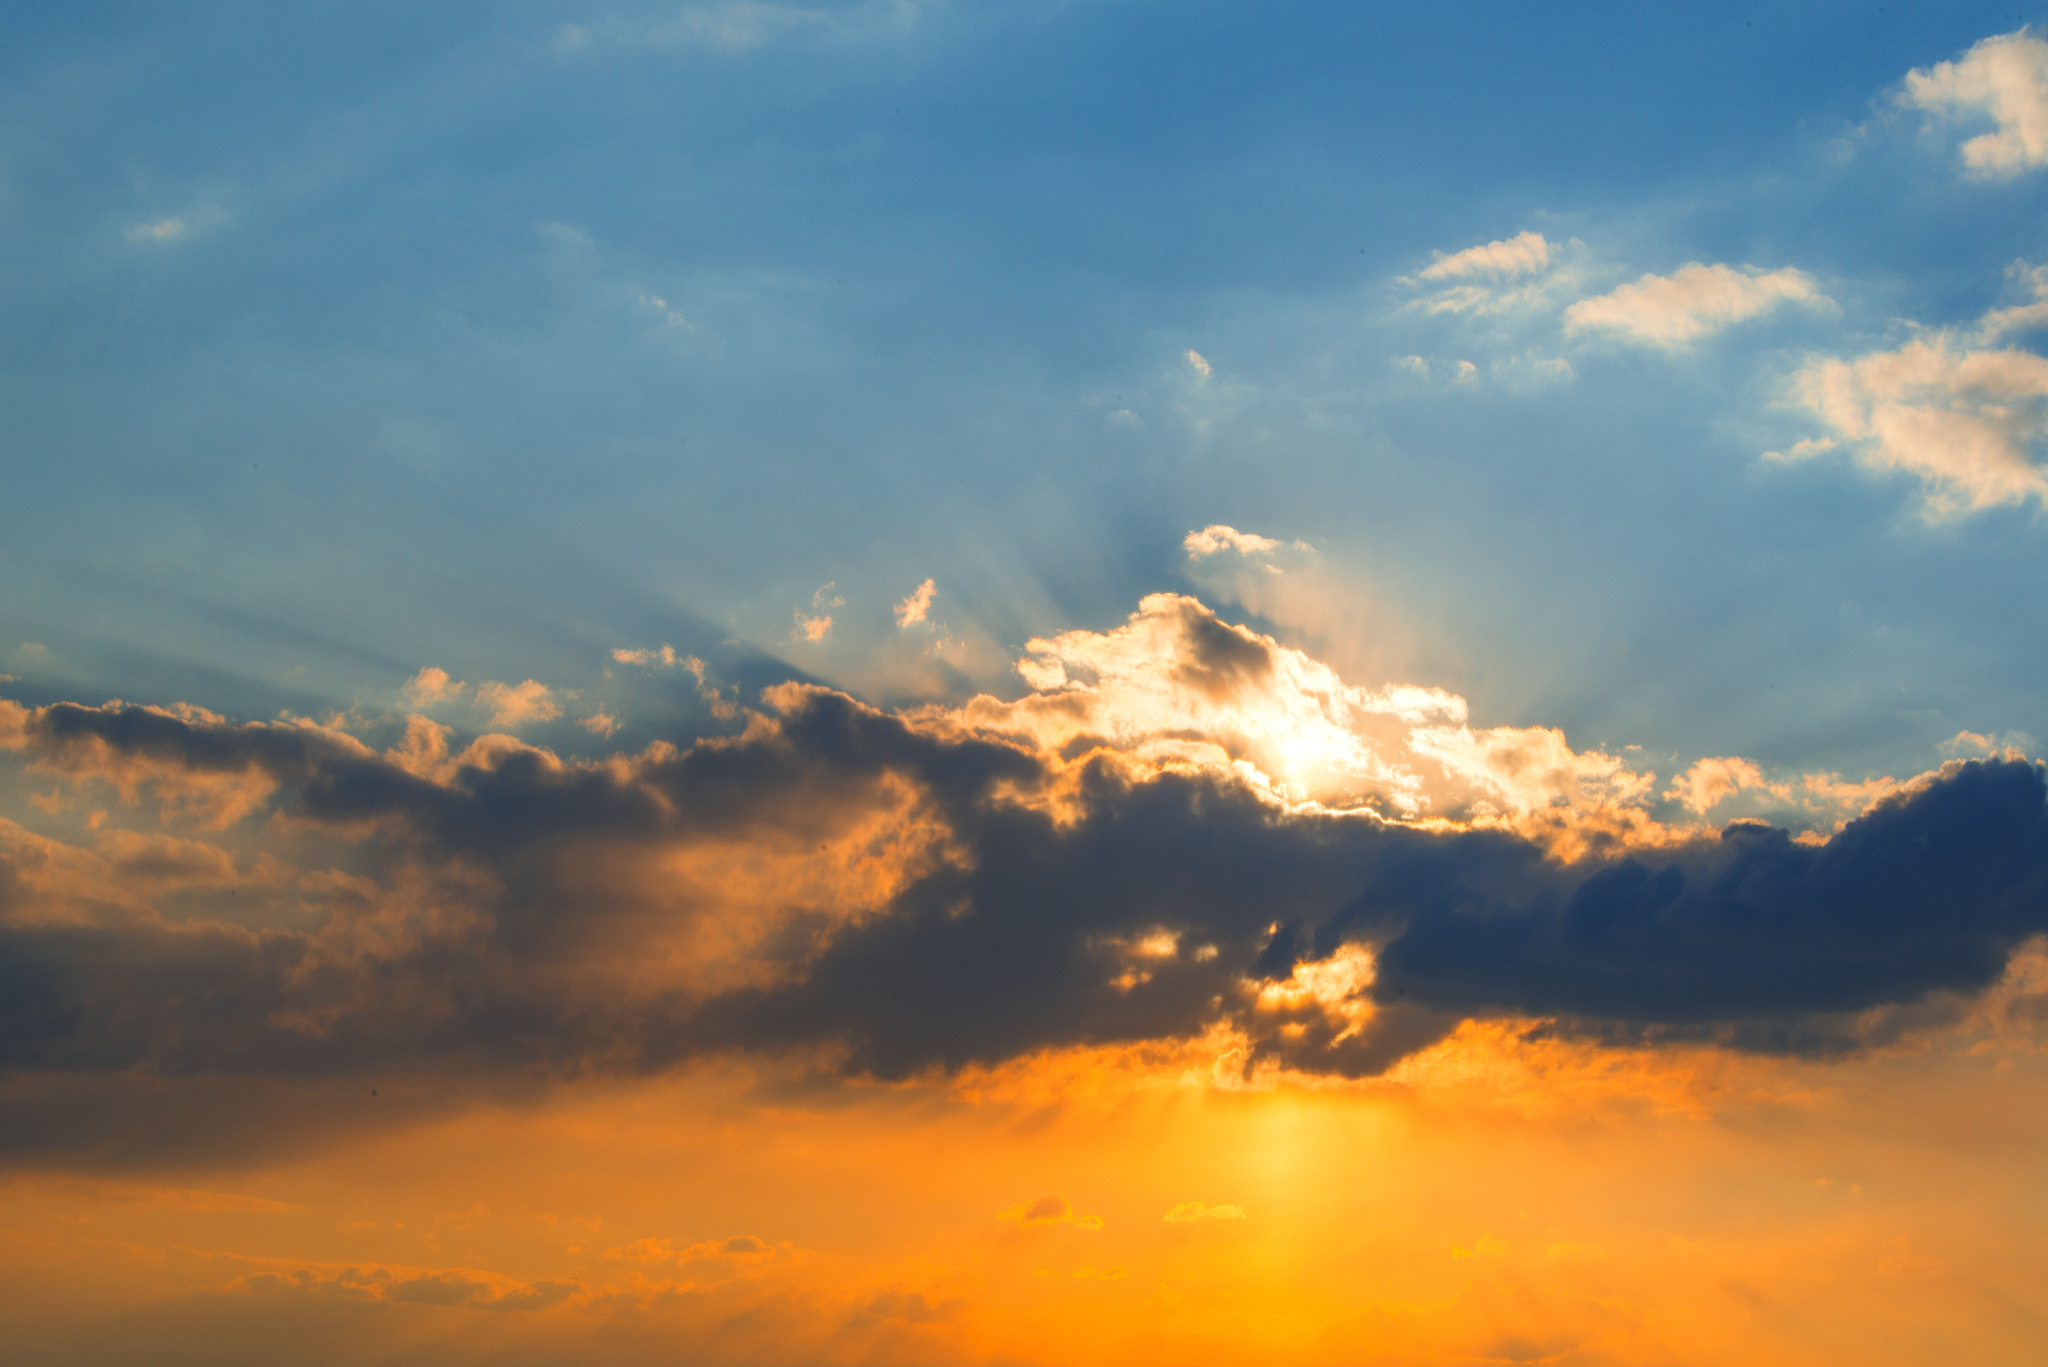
1024, 943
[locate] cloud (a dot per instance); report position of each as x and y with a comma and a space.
813, 627
1217, 537
600, 722
664, 656
1048, 1210
1190, 1211
429, 686
1524, 254
1710, 781
1695, 301
915, 608
1965, 423
2004, 79
161, 230
1198, 364
517, 704
415, 1285
1522, 272
1184, 830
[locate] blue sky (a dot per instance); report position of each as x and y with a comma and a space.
349, 342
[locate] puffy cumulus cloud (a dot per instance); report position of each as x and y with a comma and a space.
917, 607
431, 685
517, 704
2004, 79
1184, 831
1176, 686
1676, 310
1966, 422
1710, 781
1825, 799
1216, 538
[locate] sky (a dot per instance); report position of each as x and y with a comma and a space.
949, 683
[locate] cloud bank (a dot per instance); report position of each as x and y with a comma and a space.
1183, 828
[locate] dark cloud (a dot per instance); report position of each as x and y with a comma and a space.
522, 902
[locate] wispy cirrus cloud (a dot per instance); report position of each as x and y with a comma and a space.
1502, 276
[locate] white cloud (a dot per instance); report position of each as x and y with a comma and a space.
1199, 364
1522, 272
2004, 79
1523, 254
1966, 423
1217, 537
1175, 686
917, 607
1692, 302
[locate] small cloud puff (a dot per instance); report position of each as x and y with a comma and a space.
161, 230
1048, 1210
917, 607
1189, 1211
1673, 311
514, 704
1216, 537
1522, 254
1199, 364
813, 627
600, 722
429, 686
2004, 79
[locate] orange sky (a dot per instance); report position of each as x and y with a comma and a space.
1503, 1202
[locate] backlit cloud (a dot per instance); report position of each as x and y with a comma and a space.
429, 686
1692, 302
1217, 537
1184, 830
2002, 79
915, 608
517, 704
